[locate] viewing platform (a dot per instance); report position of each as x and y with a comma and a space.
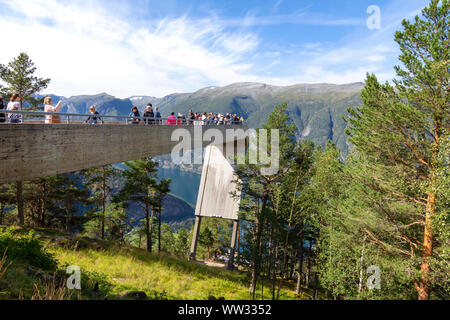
33, 149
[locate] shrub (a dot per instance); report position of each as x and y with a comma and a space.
25, 248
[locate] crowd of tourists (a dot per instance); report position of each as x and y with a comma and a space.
15, 104
150, 116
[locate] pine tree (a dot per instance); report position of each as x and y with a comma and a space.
182, 243
398, 136
258, 189
139, 186
19, 77
99, 181
162, 189
206, 239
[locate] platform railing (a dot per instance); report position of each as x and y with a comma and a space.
99, 119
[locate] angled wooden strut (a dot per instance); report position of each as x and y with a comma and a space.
218, 196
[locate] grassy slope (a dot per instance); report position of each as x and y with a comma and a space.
125, 268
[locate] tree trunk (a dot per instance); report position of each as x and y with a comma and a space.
140, 238
68, 204
274, 276
254, 269
151, 227
285, 260
308, 264
148, 230
361, 265
159, 226
423, 289
19, 192
300, 265
103, 201
237, 245
292, 265
279, 289
19, 198
257, 248
271, 264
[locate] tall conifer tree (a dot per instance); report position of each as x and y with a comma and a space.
398, 136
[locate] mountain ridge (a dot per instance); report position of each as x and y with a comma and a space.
316, 108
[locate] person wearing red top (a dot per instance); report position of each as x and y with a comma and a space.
172, 120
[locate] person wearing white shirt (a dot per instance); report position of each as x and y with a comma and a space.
50, 108
203, 119
14, 102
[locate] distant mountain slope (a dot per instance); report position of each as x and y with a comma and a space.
104, 103
316, 109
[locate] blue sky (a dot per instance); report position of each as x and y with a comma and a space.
155, 48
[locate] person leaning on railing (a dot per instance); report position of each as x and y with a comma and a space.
93, 119
48, 107
149, 115
15, 117
134, 116
172, 120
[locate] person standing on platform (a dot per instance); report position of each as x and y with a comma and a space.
157, 116
172, 120
48, 107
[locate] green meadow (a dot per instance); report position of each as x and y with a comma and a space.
108, 270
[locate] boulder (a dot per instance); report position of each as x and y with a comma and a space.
136, 295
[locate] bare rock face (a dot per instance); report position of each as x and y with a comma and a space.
136, 295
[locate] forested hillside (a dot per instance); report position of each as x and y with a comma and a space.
374, 224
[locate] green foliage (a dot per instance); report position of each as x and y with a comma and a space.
36, 104
168, 239
214, 238
206, 239
25, 248
398, 136
182, 243
19, 77
269, 204
7, 200
91, 280
116, 224
140, 181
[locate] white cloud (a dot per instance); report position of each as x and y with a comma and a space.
87, 50
376, 58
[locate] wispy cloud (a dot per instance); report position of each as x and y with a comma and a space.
87, 51
300, 17
86, 48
